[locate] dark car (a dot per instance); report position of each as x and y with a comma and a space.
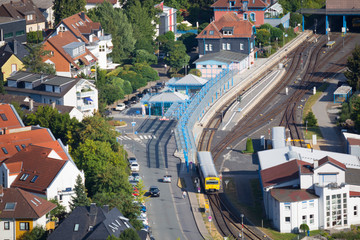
146, 90
154, 191
127, 104
107, 112
134, 99
140, 95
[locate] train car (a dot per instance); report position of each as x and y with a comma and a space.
209, 177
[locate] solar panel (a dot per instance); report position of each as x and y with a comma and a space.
3, 116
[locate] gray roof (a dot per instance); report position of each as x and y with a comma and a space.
25, 77
168, 97
222, 56
58, 81
190, 80
7, 19
292, 195
352, 176
342, 90
21, 50
43, 4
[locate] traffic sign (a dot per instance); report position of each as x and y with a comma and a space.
136, 132
210, 218
133, 124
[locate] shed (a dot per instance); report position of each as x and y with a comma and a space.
342, 94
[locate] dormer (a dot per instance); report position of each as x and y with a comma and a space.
231, 3
227, 30
75, 49
245, 5
328, 171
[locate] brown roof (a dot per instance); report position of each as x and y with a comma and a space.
292, 195
239, 4
343, 4
64, 38
241, 28
86, 27
26, 136
333, 161
281, 173
101, 1
54, 145
27, 205
353, 141
35, 162
9, 118
20, 9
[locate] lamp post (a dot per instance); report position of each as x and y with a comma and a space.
242, 226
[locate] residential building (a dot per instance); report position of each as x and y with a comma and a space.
85, 31
9, 119
76, 92
91, 222
12, 29
21, 211
252, 10
18, 49
167, 19
24, 9
319, 188
352, 143
9, 63
46, 8
274, 16
92, 3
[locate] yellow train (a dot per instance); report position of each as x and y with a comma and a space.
208, 175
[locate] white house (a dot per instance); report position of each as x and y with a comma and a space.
79, 93
319, 188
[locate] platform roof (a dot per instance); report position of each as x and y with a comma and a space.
324, 11
222, 56
342, 90
189, 80
166, 97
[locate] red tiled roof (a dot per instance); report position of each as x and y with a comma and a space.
64, 38
27, 205
101, 1
14, 168
241, 28
331, 160
292, 195
78, 30
281, 173
354, 194
8, 113
35, 162
239, 3
54, 145
353, 141
25, 137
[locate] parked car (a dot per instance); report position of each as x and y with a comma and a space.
136, 176
135, 167
142, 208
154, 191
132, 159
145, 91
120, 107
140, 95
134, 99
167, 179
133, 182
107, 112
144, 221
127, 104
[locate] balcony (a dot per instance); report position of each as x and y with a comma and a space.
90, 94
86, 107
105, 37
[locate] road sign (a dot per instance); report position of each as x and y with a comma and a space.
133, 124
209, 218
136, 132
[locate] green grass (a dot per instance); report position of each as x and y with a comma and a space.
311, 131
313, 99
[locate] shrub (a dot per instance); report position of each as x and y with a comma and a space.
311, 119
249, 146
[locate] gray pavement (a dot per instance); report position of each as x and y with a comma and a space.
325, 111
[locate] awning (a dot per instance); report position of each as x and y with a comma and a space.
88, 99
88, 57
109, 44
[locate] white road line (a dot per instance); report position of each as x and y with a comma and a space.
150, 137
145, 137
141, 137
154, 137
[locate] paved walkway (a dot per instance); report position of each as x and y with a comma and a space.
325, 112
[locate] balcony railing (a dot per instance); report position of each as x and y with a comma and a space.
85, 94
86, 107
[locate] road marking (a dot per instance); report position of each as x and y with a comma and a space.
141, 137
145, 137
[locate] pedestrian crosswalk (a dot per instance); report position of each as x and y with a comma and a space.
141, 136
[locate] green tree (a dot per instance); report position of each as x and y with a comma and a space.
115, 22
295, 19
59, 212
304, 227
147, 73
263, 37
249, 146
202, 26
353, 69
195, 72
80, 198
177, 56
189, 40
2, 89
143, 56
34, 37
37, 233
310, 119
129, 234
34, 61
66, 8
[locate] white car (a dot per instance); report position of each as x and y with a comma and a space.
167, 179
132, 160
135, 167
120, 107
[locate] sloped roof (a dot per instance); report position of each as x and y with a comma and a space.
35, 162
21, 50
222, 56
190, 80
101, 1
63, 39
25, 136
54, 145
292, 195
343, 4
27, 205
239, 4
352, 176
9, 118
19, 9
241, 28
168, 97
43, 4
328, 159
281, 173
4, 56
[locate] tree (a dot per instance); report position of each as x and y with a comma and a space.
304, 227
2, 89
295, 19
37, 233
34, 37
249, 146
129, 234
195, 72
34, 61
80, 198
189, 40
65, 8
177, 55
115, 22
59, 212
353, 69
310, 119
143, 56
263, 36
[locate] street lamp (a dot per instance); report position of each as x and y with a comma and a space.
242, 226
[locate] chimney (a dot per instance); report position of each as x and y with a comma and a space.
15, 47
82, 15
1, 35
93, 209
31, 107
316, 163
53, 105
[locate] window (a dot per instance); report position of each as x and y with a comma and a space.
232, 3
4, 150
101, 48
13, 68
20, 33
204, 66
219, 66
224, 46
23, 146
311, 203
18, 148
325, 179
252, 17
61, 29
10, 206
24, 226
206, 47
311, 218
6, 225
29, 17
8, 35
76, 227
355, 211
3, 117
34, 178
287, 206
204, 32
304, 204
211, 32
304, 219
245, 16
287, 219
228, 46
210, 47
24, 177
241, 46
